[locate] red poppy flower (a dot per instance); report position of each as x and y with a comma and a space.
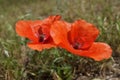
38, 32
80, 39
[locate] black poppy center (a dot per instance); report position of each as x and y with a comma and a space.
77, 45
41, 37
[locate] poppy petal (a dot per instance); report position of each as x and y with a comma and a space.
51, 19
45, 25
59, 32
24, 29
84, 33
40, 47
98, 51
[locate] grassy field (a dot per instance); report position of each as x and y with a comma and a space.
18, 62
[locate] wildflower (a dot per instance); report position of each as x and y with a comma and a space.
38, 32
79, 39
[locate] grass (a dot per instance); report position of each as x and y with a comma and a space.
18, 62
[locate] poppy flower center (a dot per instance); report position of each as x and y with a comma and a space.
41, 37
76, 45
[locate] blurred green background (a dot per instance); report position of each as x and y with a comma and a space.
15, 55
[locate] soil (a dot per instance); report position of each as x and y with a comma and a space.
107, 73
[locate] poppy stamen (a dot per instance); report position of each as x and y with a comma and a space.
76, 45
41, 38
